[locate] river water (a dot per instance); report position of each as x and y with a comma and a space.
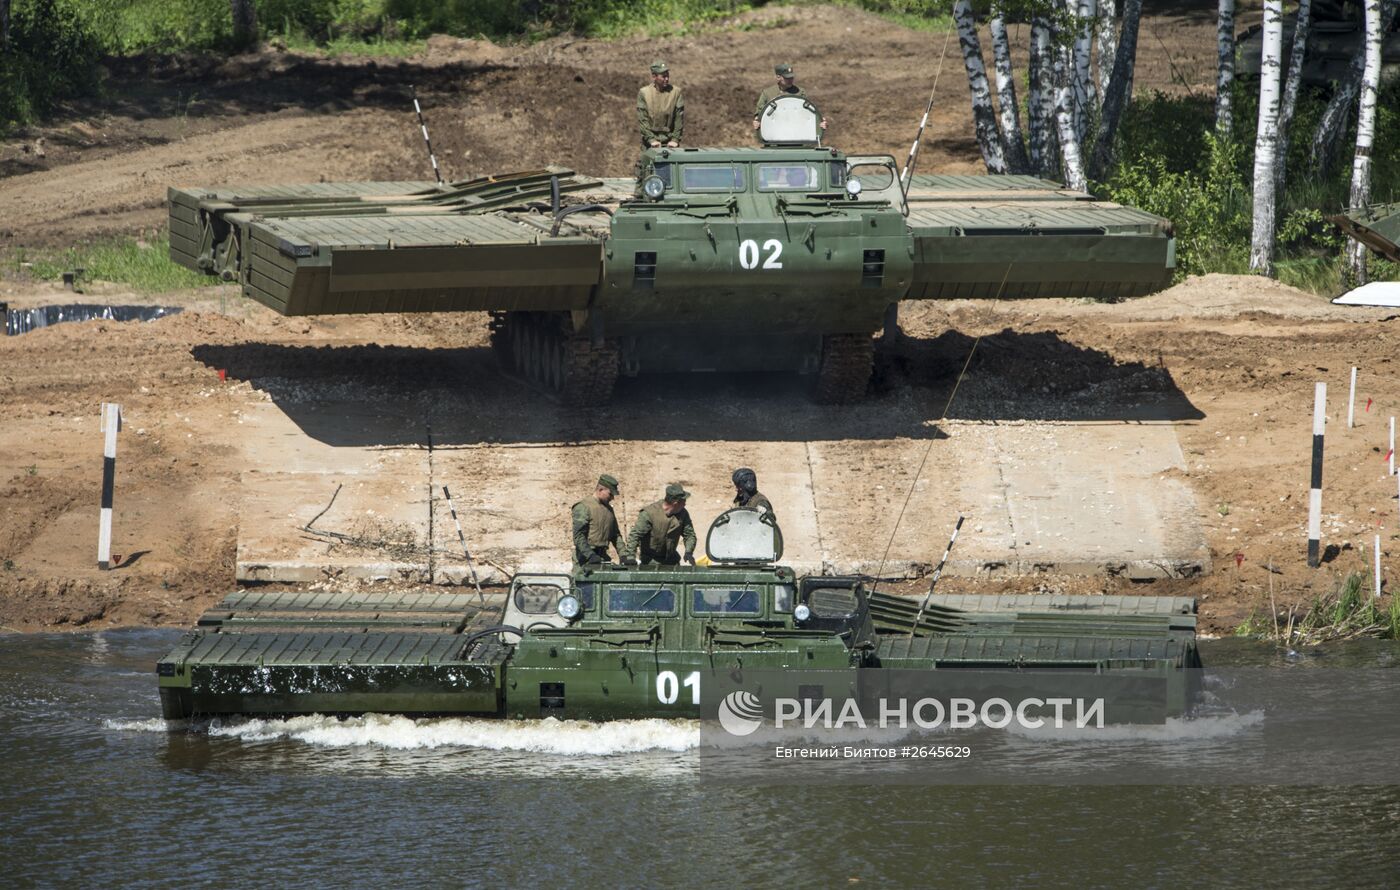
98, 791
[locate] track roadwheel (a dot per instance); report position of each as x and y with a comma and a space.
847, 360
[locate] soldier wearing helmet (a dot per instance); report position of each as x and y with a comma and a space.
746, 493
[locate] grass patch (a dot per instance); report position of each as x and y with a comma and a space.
143, 265
1350, 611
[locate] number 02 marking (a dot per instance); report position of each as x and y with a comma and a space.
748, 253
668, 687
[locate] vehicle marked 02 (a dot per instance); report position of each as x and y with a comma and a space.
748, 253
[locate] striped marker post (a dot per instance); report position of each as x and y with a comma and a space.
1315, 494
463, 539
1351, 402
111, 423
1378, 566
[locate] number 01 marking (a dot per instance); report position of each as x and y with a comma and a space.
748, 253
668, 687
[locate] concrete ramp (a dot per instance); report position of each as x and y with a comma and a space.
1039, 496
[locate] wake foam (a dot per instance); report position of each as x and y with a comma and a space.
548, 736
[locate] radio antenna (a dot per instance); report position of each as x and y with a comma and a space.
422, 125
907, 176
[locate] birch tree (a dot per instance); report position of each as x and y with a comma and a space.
1072, 166
1083, 52
1012, 139
1117, 94
1225, 67
4, 25
1296, 58
1040, 106
1261, 248
1365, 134
245, 22
1106, 29
983, 117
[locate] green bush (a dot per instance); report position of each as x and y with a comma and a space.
53, 55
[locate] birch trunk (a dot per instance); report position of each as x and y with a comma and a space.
1083, 56
1036, 126
1261, 248
1225, 67
1072, 166
983, 117
1012, 139
1119, 88
1365, 134
1296, 58
4, 25
1107, 29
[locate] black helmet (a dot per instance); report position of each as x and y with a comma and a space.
745, 480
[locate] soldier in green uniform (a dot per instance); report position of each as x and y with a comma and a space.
660, 110
595, 524
660, 527
746, 493
786, 86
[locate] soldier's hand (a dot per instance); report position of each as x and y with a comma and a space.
673, 144
690, 557
823, 123
594, 559
628, 560
655, 143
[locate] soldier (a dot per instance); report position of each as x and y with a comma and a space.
595, 524
660, 110
786, 86
746, 493
659, 527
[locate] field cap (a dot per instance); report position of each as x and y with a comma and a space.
783, 70
676, 492
608, 482
659, 67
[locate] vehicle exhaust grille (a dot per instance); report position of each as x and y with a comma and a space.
644, 270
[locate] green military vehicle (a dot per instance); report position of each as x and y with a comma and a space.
784, 257
1335, 36
610, 642
1376, 226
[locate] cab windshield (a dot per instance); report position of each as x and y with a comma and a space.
724, 601
788, 177
712, 178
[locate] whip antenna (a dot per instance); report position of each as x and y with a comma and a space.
422, 125
907, 176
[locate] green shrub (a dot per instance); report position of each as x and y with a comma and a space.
53, 55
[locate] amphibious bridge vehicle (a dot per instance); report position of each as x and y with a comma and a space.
787, 256
611, 642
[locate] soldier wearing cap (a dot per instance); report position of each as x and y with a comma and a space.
660, 527
785, 86
595, 524
746, 493
660, 109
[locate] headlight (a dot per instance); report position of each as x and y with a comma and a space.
801, 613
653, 187
568, 607
853, 187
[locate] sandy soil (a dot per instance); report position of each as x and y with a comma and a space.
1236, 357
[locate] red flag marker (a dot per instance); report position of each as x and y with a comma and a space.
1387, 455
1368, 406
1239, 559
223, 375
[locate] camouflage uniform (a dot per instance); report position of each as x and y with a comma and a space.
658, 534
595, 527
747, 493
660, 112
773, 92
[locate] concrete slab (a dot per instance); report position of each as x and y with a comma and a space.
1071, 497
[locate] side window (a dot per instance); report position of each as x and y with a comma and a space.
641, 601
585, 595
872, 177
782, 598
724, 601
664, 172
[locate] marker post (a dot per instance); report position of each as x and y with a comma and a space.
1315, 491
111, 423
